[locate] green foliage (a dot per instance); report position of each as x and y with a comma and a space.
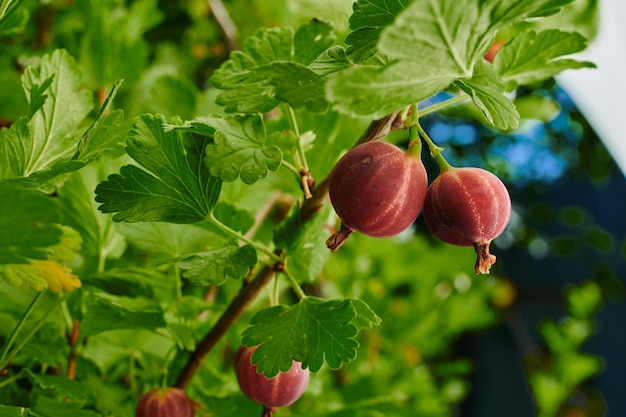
554, 383
214, 267
539, 50
178, 187
273, 67
179, 204
34, 144
304, 244
446, 47
239, 148
313, 332
105, 314
30, 231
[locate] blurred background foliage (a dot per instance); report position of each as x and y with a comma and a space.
541, 336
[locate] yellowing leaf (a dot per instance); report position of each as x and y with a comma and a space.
40, 275
50, 273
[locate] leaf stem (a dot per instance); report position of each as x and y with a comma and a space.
132, 374
4, 7
227, 230
299, 155
32, 332
435, 151
18, 328
9, 380
291, 167
442, 105
178, 282
294, 284
225, 22
415, 144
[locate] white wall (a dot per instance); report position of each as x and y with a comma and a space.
601, 93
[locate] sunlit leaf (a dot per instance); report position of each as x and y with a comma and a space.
175, 186
314, 332
532, 56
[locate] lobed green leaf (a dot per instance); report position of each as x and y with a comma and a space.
260, 76
367, 21
487, 91
239, 148
313, 332
58, 105
175, 186
532, 56
427, 45
216, 266
105, 314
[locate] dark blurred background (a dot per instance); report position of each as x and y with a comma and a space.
568, 226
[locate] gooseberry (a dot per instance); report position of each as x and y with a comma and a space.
468, 207
376, 189
168, 402
281, 390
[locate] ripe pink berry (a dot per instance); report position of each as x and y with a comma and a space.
282, 390
168, 402
468, 207
376, 189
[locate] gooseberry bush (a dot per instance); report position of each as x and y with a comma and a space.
175, 182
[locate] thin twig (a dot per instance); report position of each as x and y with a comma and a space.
226, 24
236, 308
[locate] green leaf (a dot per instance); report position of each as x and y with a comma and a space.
14, 21
216, 266
107, 138
38, 95
537, 107
312, 39
365, 318
379, 91
573, 368
62, 386
176, 187
165, 239
57, 410
255, 79
112, 46
455, 35
584, 300
244, 77
532, 56
429, 45
367, 21
487, 92
303, 244
332, 60
107, 133
299, 86
105, 314
239, 148
27, 233
173, 96
313, 331
129, 282
183, 335
51, 134
236, 219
